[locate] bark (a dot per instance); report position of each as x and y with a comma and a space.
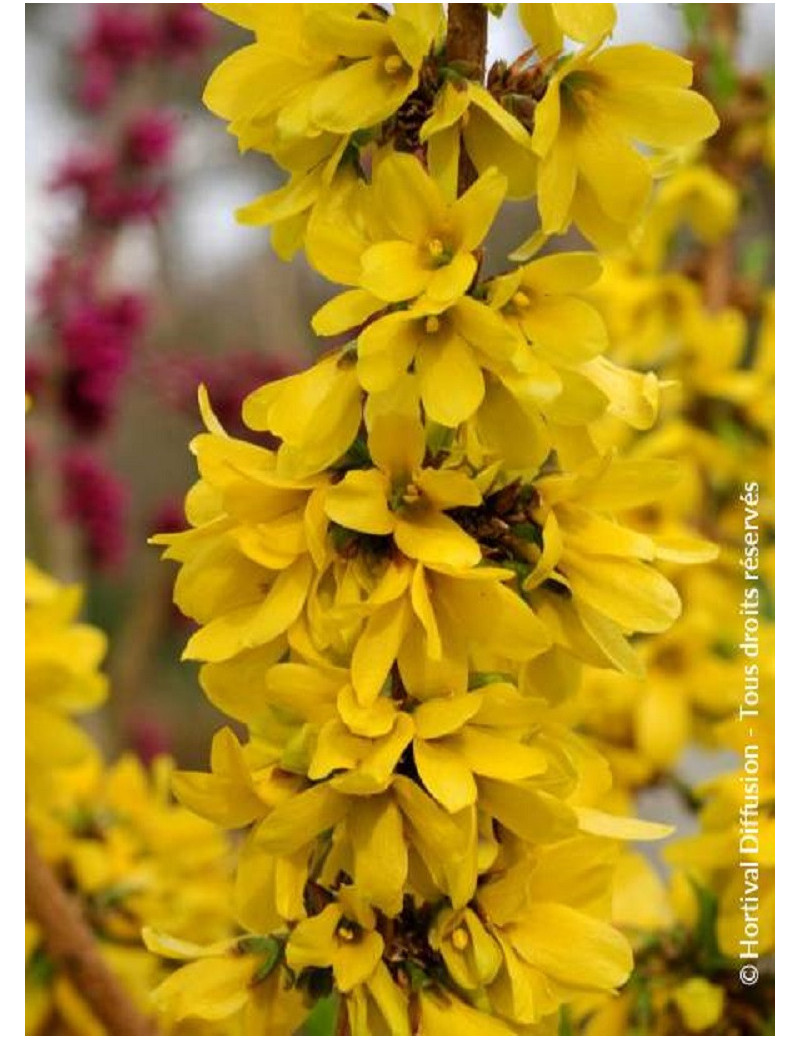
71, 944
467, 34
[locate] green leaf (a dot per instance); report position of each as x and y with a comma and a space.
439, 438
722, 72
754, 259
528, 533
40, 969
322, 1020
269, 945
696, 18
479, 679
417, 977
356, 457
642, 1008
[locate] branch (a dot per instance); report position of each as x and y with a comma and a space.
467, 34
72, 946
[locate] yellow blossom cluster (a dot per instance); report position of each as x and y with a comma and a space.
62, 677
688, 301
717, 418
114, 837
323, 87
397, 601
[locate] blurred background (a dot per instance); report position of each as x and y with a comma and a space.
141, 285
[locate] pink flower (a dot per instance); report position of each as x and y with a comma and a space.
97, 341
186, 29
229, 380
90, 172
149, 138
97, 502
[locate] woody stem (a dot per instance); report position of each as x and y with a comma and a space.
72, 946
467, 34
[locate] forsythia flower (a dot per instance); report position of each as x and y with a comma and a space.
596, 104
300, 92
132, 857
548, 24
424, 247
62, 679
398, 601
404, 499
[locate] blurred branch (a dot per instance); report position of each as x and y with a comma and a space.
72, 945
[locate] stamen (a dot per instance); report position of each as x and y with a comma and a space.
432, 324
460, 939
411, 495
393, 64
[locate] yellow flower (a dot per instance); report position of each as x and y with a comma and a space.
443, 1014
449, 347
473, 736
384, 57
546, 913
471, 955
595, 570
313, 76
131, 856
379, 1007
378, 837
289, 208
696, 196
419, 245
246, 562
539, 299
700, 1003
238, 985
435, 627
315, 68
596, 105
341, 937
548, 24
235, 792
62, 658
406, 499
316, 414
466, 115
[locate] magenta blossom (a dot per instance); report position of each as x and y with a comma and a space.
97, 502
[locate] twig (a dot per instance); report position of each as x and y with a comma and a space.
72, 945
718, 274
467, 36
342, 1018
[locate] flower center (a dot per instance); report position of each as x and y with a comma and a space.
432, 324
460, 939
347, 931
579, 93
393, 64
439, 253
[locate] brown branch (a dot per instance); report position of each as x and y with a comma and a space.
718, 274
467, 35
71, 944
134, 649
342, 1018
